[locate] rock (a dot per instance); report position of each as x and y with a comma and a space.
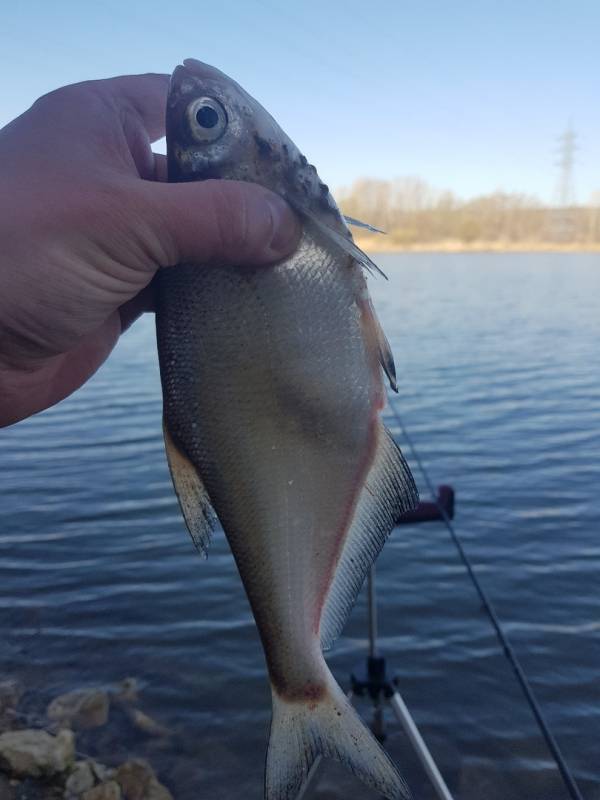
101, 772
125, 696
104, 791
145, 723
138, 782
81, 709
128, 691
80, 780
133, 777
34, 753
156, 791
10, 694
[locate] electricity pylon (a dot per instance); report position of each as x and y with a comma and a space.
563, 218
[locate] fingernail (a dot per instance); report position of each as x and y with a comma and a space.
285, 226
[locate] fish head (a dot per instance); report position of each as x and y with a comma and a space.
215, 129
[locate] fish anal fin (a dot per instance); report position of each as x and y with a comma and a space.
194, 501
389, 491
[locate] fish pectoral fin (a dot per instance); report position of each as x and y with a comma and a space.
386, 356
194, 501
389, 491
330, 727
380, 343
357, 223
336, 238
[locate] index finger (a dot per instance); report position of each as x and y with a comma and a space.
145, 94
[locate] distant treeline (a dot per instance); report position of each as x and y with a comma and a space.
411, 212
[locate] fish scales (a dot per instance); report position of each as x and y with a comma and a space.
284, 489
272, 394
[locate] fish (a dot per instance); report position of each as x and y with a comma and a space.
272, 382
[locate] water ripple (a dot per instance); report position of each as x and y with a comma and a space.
500, 389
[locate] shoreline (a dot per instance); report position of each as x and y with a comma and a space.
382, 244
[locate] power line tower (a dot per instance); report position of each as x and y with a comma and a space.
563, 216
566, 158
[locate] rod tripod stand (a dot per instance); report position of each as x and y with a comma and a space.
381, 690
375, 683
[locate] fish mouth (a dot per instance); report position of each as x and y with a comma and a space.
193, 76
192, 68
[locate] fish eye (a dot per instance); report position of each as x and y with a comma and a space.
207, 119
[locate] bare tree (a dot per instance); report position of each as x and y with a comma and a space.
413, 212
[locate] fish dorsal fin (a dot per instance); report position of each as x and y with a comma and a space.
338, 239
196, 508
357, 223
388, 492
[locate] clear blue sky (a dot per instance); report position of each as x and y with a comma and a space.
470, 95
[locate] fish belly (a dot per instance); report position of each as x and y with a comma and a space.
272, 391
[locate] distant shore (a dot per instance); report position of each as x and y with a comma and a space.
384, 244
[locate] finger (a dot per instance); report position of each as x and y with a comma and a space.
133, 309
25, 392
144, 94
218, 221
66, 124
160, 167
87, 106
141, 100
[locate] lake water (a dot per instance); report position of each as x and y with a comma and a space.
498, 359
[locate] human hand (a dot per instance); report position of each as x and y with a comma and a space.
85, 222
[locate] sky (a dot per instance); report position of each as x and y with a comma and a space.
470, 95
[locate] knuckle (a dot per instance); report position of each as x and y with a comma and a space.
87, 98
233, 233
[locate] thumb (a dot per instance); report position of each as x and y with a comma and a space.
229, 222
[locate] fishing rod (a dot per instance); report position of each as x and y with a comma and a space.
507, 648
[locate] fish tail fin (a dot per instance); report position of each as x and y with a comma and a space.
330, 727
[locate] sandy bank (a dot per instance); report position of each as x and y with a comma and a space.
383, 244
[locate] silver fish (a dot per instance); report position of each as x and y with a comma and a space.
273, 389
